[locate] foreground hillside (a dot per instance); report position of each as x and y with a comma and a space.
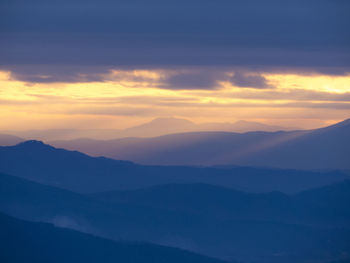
23, 241
210, 220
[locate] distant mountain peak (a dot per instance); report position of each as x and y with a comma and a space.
244, 122
159, 126
170, 120
33, 143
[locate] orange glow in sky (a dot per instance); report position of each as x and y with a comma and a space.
126, 98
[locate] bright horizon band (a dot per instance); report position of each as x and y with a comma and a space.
123, 98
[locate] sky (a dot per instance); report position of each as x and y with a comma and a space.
115, 64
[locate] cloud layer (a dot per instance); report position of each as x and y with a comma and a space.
254, 34
85, 63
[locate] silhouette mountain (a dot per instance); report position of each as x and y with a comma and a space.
325, 148
211, 220
23, 241
75, 171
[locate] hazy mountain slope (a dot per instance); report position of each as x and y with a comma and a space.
162, 126
37, 202
209, 201
78, 172
7, 140
23, 241
65, 134
326, 148
202, 148
173, 203
255, 236
157, 127
334, 198
310, 207
322, 148
153, 128
33, 201
240, 126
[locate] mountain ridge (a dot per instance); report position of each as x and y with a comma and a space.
52, 244
224, 227
79, 172
324, 148
152, 128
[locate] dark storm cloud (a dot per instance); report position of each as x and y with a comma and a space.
200, 79
292, 34
210, 78
56, 73
247, 80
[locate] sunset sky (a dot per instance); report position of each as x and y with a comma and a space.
114, 64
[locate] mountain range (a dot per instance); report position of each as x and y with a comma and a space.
23, 241
210, 220
156, 127
78, 172
324, 148
195, 197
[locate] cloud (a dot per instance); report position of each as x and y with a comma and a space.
117, 111
199, 79
249, 80
124, 34
57, 73
293, 94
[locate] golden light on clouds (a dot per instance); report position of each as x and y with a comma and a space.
332, 84
125, 98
